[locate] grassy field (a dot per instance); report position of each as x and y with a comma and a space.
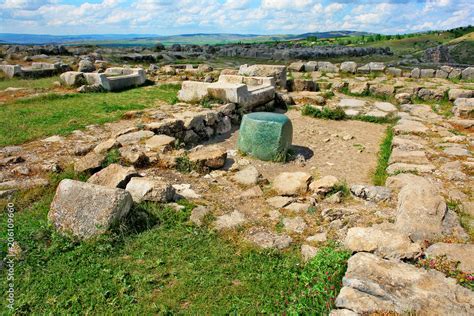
32, 118
42, 83
157, 262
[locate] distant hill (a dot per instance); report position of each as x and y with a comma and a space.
150, 39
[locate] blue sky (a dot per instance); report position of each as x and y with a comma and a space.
231, 16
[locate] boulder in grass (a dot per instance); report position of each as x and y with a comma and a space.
86, 210
266, 136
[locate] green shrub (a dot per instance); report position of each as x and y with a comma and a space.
326, 113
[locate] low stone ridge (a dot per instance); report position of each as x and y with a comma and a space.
266, 136
374, 284
86, 210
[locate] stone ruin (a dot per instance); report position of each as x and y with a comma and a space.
36, 70
248, 92
113, 79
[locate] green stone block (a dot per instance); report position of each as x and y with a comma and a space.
266, 136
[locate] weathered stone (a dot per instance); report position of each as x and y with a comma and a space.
374, 284
406, 167
86, 210
106, 146
291, 183
279, 201
352, 103
86, 65
320, 237
295, 224
267, 240
296, 66
308, 252
385, 106
356, 87
406, 144
387, 243
134, 138
405, 126
456, 151
427, 73
89, 163
395, 72
413, 157
420, 210
134, 156
198, 214
72, 78
464, 253
468, 73
184, 191
298, 207
371, 193
266, 136
247, 176
230, 220
161, 143
324, 185
349, 67
212, 157
253, 192
382, 90
113, 176
454, 94
150, 189
464, 108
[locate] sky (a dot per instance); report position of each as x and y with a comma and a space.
168, 17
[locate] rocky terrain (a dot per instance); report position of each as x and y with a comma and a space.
350, 121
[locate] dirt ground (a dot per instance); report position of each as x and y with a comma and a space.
326, 148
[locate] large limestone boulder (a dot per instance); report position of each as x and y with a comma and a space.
374, 284
72, 78
86, 210
387, 243
212, 157
468, 73
86, 65
291, 183
114, 176
266, 136
349, 67
464, 108
150, 189
464, 253
420, 210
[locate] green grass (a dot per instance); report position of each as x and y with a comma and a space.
380, 174
32, 118
42, 83
338, 114
158, 263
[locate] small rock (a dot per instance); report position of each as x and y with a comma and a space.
279, 201
230, 220
198, 213
89, 163
150, 189
294, 225
308, 252
321, 237
184, 191
324, 185
266, 240
291, 183
248, 176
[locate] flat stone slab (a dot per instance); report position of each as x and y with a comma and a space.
266, 136
464, 253
352, 103
385, 106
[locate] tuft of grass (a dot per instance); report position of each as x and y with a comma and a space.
208, 101
183, 164
326, 113
465, 218
27, 119
385, 151
41, 83
320, 282
338, 114
113, 156
450, 268
342, 187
